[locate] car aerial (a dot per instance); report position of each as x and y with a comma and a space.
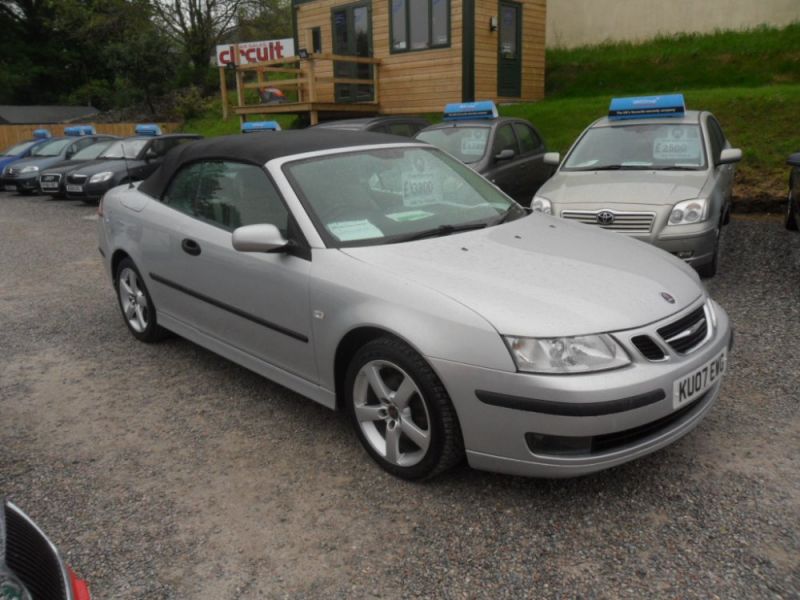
792, 220
23, 175
509, 152
387, 279
651, 170
31, 568
23, 149
396, 125
127, 160
51, 179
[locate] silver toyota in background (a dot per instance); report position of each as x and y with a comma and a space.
661, 177
390, 281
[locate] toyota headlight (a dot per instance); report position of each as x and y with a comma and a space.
29, 169
689, 211
542, 205
101, 177
580, 354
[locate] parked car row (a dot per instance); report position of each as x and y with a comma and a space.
84, 165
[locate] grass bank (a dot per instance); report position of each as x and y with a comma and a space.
752, 58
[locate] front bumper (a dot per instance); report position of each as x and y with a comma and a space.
630, 409
21, 182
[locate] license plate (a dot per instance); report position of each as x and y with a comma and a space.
48, 185
695, 384
11, 188
75, 188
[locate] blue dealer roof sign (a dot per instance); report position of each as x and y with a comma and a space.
256, 126
463, 111
671, 105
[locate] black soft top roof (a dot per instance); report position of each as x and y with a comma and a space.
258, 149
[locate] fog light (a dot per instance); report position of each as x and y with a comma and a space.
684, 254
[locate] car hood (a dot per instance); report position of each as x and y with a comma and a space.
41, 162
623, 187
114, 165
546, 277
7, 160
72, 165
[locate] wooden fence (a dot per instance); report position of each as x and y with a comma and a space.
12, 134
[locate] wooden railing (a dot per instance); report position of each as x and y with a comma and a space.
301, 77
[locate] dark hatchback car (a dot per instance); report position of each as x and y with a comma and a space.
51, 180
127, 160
23, 175
509, 152
792, 220
22, 150
405, 126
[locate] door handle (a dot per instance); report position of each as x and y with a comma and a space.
190, 247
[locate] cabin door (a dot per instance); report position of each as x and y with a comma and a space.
352, 36
509, 60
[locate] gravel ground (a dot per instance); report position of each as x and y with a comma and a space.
163, 471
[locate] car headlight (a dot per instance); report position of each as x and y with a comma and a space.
580, 354
689, 211
29, 169
101, 177
543, 205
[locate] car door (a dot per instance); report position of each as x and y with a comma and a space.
503, 172
255, 302
532, 171
722, 174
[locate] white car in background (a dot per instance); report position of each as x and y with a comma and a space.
651, 170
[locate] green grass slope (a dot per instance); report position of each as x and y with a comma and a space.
757, 57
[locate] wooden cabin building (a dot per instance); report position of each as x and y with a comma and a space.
406, 56
431, 52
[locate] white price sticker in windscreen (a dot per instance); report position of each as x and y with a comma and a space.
676, 146
420, 187
473, 142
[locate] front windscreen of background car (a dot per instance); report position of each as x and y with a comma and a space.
18, 149
467, 144
52, 148
92, 151
372, 196
130, 147
653, 145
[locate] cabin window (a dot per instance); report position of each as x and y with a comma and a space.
316, 40
419, 24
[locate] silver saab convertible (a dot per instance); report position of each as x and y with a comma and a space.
651, 170
384, 278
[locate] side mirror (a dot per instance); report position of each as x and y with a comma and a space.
150, 154
729, 156
552, 158
794, 160
506, 154
259, 238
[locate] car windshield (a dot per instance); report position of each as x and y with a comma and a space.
640, 146
395, 194
52, 148
92, 151
467, 144
18, 149
124, 149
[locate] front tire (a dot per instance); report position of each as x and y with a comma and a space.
401, 412
138, 310
709, 269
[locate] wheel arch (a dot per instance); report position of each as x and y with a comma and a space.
117, 258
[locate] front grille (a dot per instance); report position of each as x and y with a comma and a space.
648, 347
32, 558
557, 445
624, 222
79, 179
686, 333
51, 177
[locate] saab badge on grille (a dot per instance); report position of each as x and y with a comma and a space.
668, 297
605, 217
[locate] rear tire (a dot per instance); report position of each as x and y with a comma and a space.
138, 310
401, 412
790, 218
709, 269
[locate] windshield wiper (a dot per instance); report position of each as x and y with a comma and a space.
676, 168
620, 168
440, 231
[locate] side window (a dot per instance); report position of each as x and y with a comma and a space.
228, 194
717, 139
504, 139
404, 129
528, 140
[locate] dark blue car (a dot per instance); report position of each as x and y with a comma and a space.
23, 149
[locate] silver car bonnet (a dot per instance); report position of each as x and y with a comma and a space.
541, 276
624, 187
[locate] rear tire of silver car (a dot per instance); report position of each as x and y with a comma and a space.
138, 310
709, 269
401, 412
790, 220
